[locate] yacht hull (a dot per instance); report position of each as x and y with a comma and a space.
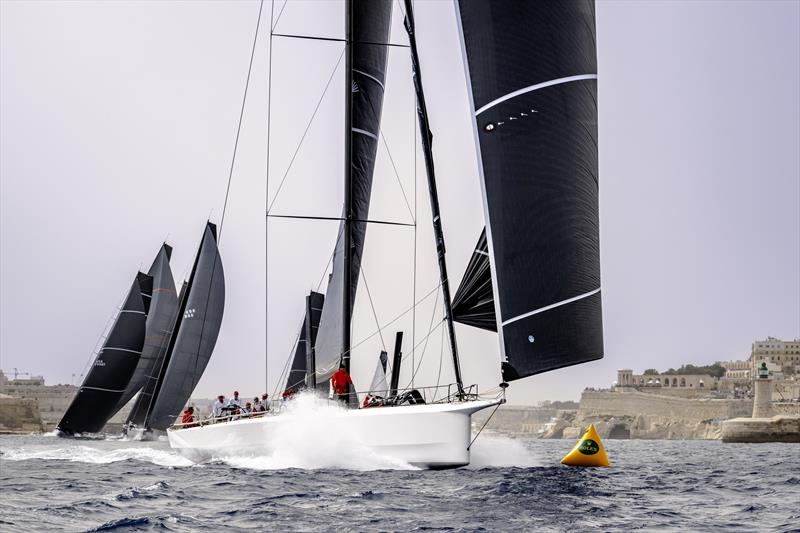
430, 436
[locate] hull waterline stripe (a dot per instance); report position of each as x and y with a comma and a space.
364, 132
530, 88
552, 306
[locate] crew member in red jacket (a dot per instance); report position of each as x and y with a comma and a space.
340, 381
187, 420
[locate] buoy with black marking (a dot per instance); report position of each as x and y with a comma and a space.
588, 452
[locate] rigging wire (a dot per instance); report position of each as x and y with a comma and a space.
397, 176
308, 126
275, 25
266, 200
227, 192
372, 305
241, 117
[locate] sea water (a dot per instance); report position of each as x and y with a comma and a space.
49, 483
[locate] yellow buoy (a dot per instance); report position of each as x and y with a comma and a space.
588, 452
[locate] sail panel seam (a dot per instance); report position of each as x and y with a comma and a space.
535, 87
101, 389
551, 306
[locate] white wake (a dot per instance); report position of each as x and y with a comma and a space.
88, 454
310, 439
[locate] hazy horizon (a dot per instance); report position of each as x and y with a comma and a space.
117, 129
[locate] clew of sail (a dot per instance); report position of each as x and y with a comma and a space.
161, 315
193, 337
371, 25
532, 75
113, 367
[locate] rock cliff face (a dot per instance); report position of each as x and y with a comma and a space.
635, 415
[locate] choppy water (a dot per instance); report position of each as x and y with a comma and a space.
53, 484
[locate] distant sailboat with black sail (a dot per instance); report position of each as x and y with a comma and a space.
191, 341
534, 277
112, 368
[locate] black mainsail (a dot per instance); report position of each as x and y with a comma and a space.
193, 336
371, 22
160, 317
532, 71
304, 350
114, 365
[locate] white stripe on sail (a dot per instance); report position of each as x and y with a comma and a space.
364, 132
104, 390
370, 76
552, 306
134, 312
530, 88
121, 350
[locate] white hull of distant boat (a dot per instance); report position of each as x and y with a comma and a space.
427, 436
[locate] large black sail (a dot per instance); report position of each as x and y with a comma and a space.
160, 317
532, 70
304, 350
113, 367
144, 400
194, 336
371, 24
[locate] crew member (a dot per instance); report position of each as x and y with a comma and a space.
219, 405
187, 420
235, 401
340, 380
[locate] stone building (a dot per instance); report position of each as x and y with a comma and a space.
785, 354
688, 385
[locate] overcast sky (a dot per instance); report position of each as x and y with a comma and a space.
117, 130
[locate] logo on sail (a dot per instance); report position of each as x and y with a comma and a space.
189, 313
99, 362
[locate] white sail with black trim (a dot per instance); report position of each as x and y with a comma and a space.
532, 75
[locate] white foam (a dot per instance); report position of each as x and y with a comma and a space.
492, 450
311, 439
87, 454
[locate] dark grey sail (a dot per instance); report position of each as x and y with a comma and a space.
143, 402
532, 71
113, 367
473, 303
371, 25
193, 337
163, 306
304, 351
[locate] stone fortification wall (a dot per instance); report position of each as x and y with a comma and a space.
634, 403
18, 415
650, 416
786, 408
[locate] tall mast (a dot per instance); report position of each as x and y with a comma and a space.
347, 288
427, 141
